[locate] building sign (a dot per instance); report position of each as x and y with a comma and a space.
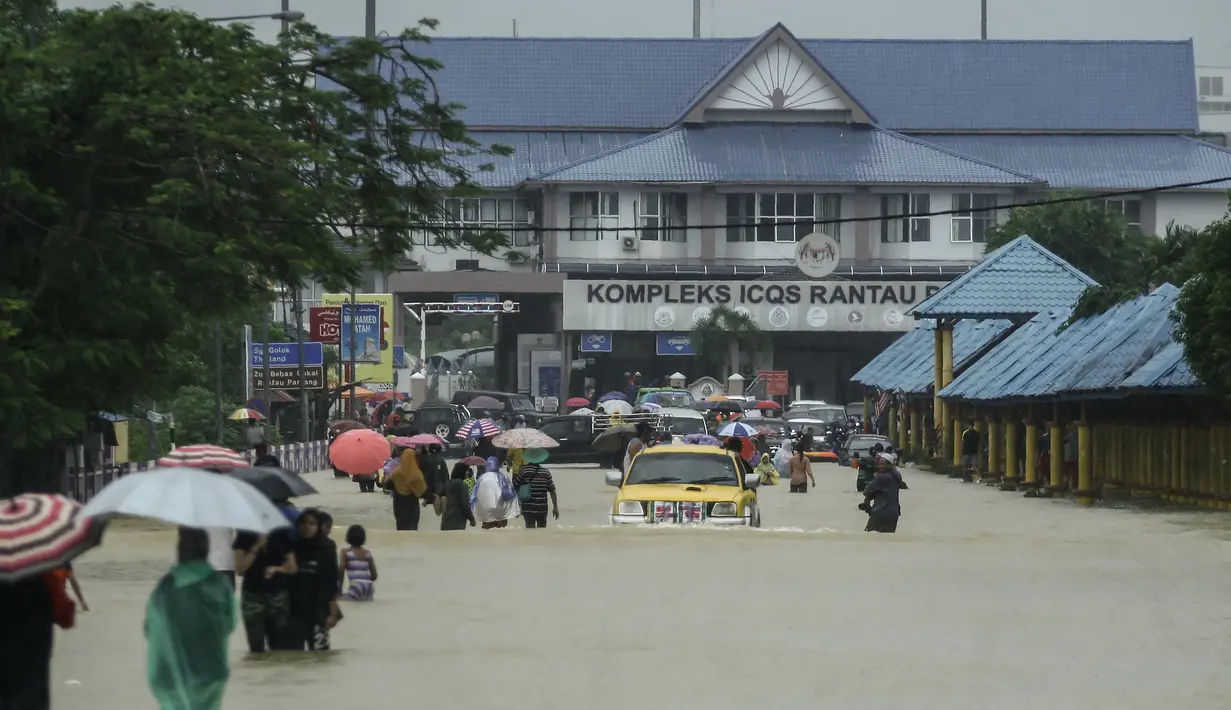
286, 354
777, 382
399, 356
674, 344
474, 298
287, 378
361, 333
675, 306
325, 325
375, 372
816, 255
596, 342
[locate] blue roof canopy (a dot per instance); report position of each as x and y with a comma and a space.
908, 85
908, 365
783, 153
1017, 280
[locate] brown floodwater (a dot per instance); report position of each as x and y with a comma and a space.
983, 599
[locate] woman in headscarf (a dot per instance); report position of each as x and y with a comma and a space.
881, 501
408, 486
494, 502
314, 587
457, 512
767, 472
188, 620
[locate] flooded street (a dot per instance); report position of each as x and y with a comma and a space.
983, 599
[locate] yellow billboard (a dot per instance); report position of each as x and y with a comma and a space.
372, 373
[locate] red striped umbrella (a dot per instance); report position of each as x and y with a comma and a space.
40, 532
218, 458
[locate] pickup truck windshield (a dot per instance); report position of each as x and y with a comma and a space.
714, 469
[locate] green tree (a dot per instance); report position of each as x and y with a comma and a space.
723, 336
159, 172
1203, 311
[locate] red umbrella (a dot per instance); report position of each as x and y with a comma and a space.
359, 451
418, 440
577, 402
40, 532
767, 404
217, 458
473, 461
345, 425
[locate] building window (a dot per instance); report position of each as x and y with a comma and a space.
1215, 138
898, 225
770, 216
589, 212
1213, 107
510, 216
976, 214
1209, 86
1129, 209
663, 216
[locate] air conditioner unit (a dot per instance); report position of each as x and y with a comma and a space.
630, 242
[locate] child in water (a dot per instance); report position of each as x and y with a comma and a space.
357, 563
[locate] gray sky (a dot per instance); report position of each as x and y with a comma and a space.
1207, 22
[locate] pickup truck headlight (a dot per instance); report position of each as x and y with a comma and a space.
631, 507
724, 510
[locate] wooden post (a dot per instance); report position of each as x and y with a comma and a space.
1010, 454
1085, 461
1032, 453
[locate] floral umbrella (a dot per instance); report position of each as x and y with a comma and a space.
525, 438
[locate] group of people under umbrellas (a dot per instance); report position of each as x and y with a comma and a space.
192, 611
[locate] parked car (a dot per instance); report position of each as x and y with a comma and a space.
441, 419
575, 435
665, 396
681, 422
822, 446
514, 405
860, 444
685, 484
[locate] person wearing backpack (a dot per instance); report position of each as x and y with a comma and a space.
534, 486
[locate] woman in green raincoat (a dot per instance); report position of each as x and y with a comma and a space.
188, 620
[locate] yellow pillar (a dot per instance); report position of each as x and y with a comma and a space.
981, 428
1032, 453
1010, 454
1056, 454
916, 432
1176, 464
995, 461
946, 376
1085, 461
893, 425
955, 431
903, 440
939, 420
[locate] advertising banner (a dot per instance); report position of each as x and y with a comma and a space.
380, 372
325, 324
361, 333
837, 306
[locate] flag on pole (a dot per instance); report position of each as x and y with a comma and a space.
881, 404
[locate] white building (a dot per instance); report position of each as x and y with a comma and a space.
697, 154
1214, 103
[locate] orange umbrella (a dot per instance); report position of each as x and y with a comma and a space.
360, 393
718, 398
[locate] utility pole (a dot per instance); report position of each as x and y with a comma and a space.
983, 18
304, 429
286, 22
264, 359
369, 31
696, 19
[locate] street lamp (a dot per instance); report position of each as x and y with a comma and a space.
285, 16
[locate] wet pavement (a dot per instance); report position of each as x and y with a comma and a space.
983, 599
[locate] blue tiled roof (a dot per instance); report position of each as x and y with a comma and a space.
1129, 346
1111, 162
1019, 279
786, 153
908, 365
906, 84
536, 152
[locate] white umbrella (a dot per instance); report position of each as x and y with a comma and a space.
583, 412
615, 406
190, 497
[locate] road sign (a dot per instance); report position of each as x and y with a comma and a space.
488, 298
325, 324
595, 342
777, 382
399, 356
287, 378
674, 344
286, 354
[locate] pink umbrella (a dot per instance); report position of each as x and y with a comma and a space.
577, 402
217, 458
359, 451
418, 440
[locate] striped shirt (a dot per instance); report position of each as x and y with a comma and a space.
541, 484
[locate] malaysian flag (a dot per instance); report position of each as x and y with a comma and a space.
664, 512
881, 404
691, 512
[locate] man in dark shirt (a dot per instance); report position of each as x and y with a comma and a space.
264, 458
881, 497
265, 563
970, 451
542, 487
806, 439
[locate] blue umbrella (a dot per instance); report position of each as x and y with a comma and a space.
701, 440
613, 395
737, 429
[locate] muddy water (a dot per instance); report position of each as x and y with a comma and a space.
984, 599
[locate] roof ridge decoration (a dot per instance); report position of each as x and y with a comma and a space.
745, 60
1022, 278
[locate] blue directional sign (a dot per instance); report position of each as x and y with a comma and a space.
399, 356
286, 354
674, 344
596, 342
474, 298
